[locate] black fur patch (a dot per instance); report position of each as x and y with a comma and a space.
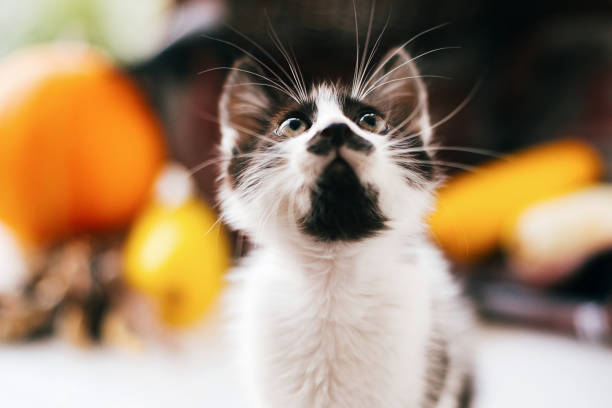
354, 108
305, 110
236, 168
437, 370
467, 393
342, 208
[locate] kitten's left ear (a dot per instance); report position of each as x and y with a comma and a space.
398, 90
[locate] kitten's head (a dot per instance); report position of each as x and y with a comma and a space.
331, 162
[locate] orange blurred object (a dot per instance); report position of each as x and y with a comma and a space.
474, 209
79, 147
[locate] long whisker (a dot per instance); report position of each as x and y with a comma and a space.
258, 60
298, 69
241, 70
259, 84
459, 107
410, 117
367, 43
205, 115
402, 46
212, 227
357, 48
452, 47
411, 60
372, 89
276, 40
482, 152
294, 76
368, 68
460, 166
203, 165
262, 49
199, 167
448, 117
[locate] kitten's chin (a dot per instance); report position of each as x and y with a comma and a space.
342, 208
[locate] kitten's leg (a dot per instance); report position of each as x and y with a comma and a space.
465, 399
457, 383
458, 392
449, 377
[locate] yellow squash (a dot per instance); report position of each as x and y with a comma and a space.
176, 254
474, 208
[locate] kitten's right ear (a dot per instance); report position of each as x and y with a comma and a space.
246, 105
398, 90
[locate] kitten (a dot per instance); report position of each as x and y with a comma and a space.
343, 302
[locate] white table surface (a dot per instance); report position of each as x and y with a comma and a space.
515, 369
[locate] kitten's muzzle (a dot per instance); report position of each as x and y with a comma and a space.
335, 136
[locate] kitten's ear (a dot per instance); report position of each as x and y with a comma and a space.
246, 104
397, 89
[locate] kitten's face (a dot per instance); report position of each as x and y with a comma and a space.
331, 163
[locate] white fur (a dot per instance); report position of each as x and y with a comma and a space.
345, 326
340, 325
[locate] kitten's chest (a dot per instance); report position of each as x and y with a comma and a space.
339, 338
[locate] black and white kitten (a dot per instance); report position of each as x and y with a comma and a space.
343, 302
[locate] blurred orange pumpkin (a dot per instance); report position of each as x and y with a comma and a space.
79, 147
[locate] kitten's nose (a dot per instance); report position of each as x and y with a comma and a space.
336, 135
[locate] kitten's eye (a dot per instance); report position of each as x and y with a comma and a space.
373, 123
291, 127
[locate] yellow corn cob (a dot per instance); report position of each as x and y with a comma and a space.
473, 208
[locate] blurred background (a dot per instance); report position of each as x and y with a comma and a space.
112, 260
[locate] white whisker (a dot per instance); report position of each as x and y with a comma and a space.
205, 115
366, 44
203, 165
292, 65
483, 152
258, 60
357, 90
263, 50
402, 79
454, 112
242, 70
299, 70
461, 166
402, 46
216, 160
212, 227
411, 60
357, 48
410, 117
261, 84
